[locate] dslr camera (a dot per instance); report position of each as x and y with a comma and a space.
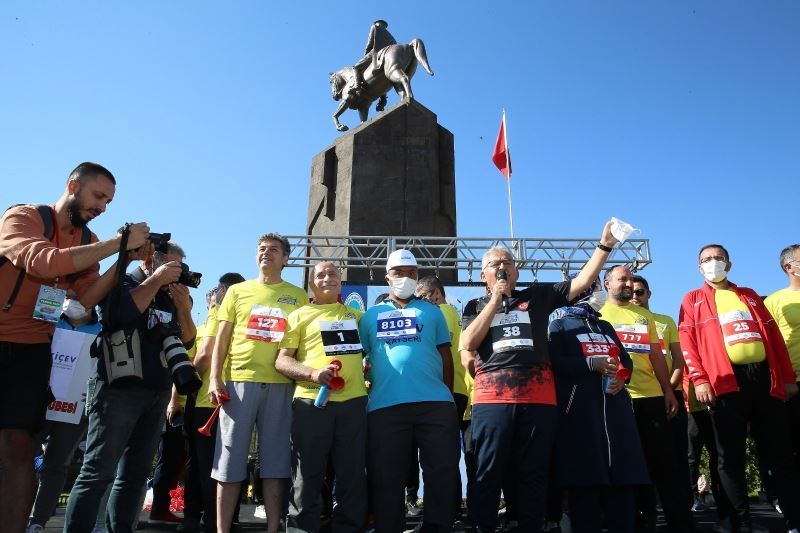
161, 243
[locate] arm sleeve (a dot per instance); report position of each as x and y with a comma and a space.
22, 241
687, 333
470, 312
227, 309
291, 337
364, 333
560, 295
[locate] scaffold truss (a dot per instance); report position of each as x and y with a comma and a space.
462, 254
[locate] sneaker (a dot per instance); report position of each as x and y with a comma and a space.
260, 512
99, 530
457, 527
164, 518
35, 528
412, 509
698, 506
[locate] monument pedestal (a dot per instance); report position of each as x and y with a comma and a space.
392, 175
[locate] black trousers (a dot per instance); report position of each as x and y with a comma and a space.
679, 424
193, 492
769, 427
588, 505
793, 408
701, 433
170, 461
392, 432
662, 464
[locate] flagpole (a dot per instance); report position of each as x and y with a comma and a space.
508, 178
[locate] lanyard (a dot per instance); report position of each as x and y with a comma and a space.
57, 235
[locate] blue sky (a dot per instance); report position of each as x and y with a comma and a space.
679, 117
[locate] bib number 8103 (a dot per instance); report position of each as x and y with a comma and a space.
400, 323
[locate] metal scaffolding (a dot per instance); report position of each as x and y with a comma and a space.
462, 254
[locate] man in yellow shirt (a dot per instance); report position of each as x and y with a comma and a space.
673, 356
784, 305
252, 323
653, 400
740, 368
316, 335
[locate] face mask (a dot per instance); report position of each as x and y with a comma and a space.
621, 230
73, 309
404, 288
714, 271
597, 299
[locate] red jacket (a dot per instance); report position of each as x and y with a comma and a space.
704, 348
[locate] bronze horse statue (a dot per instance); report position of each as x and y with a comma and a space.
396, 65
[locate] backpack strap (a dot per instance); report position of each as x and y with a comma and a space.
49, 232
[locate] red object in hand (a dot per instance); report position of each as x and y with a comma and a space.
336, 382
206, 429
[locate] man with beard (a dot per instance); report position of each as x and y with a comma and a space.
45, 250
653, 401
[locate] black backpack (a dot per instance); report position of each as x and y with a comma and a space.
49, 232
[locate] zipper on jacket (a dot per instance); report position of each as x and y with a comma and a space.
571, 397
605, 427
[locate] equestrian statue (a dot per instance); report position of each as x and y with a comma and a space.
385, 64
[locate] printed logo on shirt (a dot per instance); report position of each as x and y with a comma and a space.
288, 300
523, 306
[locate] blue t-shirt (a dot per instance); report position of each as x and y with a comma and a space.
401, 344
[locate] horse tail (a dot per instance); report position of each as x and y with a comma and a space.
421, 55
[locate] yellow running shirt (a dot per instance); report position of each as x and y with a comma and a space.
320, 334
258, 313
739, 331
454, 326
784, 306
667, 334
636, 329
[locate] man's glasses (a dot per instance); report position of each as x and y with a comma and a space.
639, 292
713, 258
501, 262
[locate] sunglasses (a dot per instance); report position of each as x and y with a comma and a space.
639, 292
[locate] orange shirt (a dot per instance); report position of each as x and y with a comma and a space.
23, 243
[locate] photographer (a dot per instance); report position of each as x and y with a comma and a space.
142, 322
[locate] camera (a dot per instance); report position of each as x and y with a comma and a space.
160, 241
184, 375
189, 278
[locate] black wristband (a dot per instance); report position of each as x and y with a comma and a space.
605, 248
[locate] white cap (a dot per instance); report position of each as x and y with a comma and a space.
400, 258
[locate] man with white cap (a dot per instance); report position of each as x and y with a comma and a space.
408, 345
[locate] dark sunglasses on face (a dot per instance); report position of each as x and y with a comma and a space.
639, 292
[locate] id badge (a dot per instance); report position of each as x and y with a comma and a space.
48, 304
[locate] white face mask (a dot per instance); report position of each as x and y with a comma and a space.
714, 271
597, 299
73, 309
404, 288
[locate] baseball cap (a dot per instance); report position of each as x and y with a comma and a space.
400, 258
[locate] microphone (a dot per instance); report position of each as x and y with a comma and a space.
502, 275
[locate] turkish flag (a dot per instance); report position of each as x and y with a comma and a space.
501, 157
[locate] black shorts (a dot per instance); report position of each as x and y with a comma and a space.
25, 394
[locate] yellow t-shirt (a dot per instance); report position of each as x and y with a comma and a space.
739, 331
454, 326
667, 334
320, 334
784, 306
258, 313
636, 328
202, 333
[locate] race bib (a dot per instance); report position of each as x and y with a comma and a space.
512, 331
738, 326
340, 337
48, 304
595, 344
634, 337
266, 324
396, 324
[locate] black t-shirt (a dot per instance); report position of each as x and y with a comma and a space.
512, 364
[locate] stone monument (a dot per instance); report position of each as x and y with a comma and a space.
392, 175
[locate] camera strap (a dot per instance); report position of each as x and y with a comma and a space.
116, 293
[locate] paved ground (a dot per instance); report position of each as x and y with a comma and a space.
764, 517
